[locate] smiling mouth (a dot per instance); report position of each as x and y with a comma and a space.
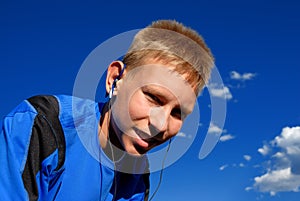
146, 137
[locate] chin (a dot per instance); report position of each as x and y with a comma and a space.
136, 151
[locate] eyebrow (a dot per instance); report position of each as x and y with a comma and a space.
152, 89
157, 92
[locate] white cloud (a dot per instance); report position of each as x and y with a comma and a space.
247, 157
278, 181
219, 91
223, 167
183, 135
265, 150
226, 137
214, 129
242, 77
234, 165
289, 143
283, 169
256, 166
279, 155
248, 188
289, 140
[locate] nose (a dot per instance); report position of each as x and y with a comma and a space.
158, 120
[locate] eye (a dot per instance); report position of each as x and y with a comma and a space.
176, 112
153, 98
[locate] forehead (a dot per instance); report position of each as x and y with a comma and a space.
151, 68
164, 77
171, 63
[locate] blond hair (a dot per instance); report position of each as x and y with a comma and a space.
172, 43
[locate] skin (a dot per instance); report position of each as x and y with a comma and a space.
149, 106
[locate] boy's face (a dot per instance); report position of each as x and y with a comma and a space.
150, 106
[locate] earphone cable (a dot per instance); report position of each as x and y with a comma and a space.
112, 151
161, 171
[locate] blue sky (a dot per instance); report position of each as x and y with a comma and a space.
256, 45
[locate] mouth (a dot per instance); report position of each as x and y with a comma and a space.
144, 139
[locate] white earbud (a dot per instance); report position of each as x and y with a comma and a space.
110, 93
112, 88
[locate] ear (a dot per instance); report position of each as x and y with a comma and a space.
113, 72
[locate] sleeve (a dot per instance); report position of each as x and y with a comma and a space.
31, 151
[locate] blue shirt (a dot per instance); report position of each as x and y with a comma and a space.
49, 150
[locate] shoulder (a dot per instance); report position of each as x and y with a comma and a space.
66, 107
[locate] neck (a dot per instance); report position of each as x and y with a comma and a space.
107, 135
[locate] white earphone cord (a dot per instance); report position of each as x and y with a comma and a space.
112, 151
113, 159
161, 171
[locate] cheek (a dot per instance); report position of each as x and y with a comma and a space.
174, 127
138, 107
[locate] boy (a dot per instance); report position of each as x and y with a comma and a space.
67, 148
